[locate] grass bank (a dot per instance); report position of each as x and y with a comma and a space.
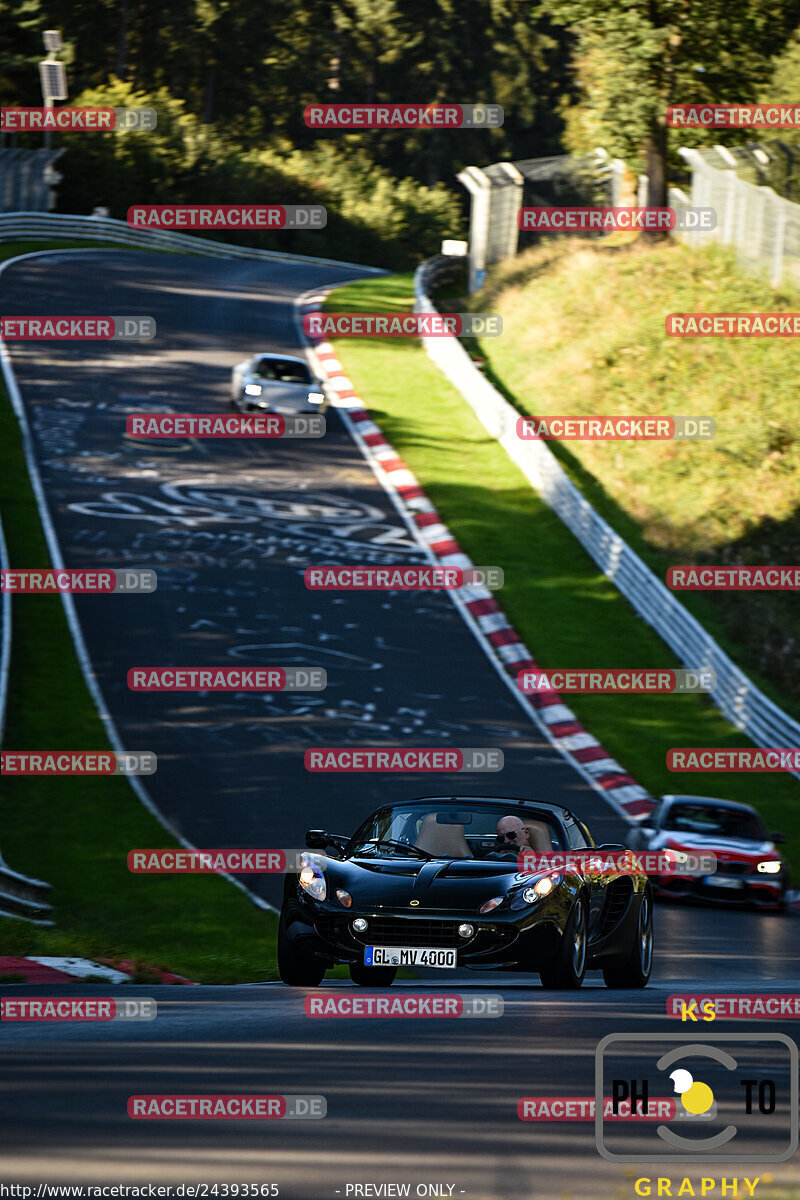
583, 333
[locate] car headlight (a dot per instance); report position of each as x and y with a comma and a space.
770, 867
526, 896
677, 856
492, 904
252, 389
316, 397
344, 897
311, 879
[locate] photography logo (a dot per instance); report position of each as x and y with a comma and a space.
736, 1097
697, 1099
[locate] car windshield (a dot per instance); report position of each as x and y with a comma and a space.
451, 829
721, 822
282, 370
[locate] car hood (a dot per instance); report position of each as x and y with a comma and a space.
732, 848
440, 883
276, 393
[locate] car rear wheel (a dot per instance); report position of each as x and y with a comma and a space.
294, 966
569, 967
372, 976
635, 973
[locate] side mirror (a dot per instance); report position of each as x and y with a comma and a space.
319, 839
778, 838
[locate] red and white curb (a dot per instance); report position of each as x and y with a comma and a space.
487, 620
68, 970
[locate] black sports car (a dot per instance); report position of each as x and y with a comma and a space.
432, 883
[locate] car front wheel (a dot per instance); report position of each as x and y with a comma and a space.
295, 967
569, 967
635, 973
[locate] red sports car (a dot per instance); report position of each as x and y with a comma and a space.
749, 867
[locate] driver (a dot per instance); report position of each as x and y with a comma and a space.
513, 839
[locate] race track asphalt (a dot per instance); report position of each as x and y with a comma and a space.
229, 526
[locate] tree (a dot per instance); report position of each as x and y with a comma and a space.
420, 51
635, 57
20, 51
785, 84
783, 172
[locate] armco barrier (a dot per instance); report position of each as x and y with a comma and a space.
747, 708
22, 897
19, 896
45, 226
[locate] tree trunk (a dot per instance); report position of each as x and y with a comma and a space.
656, 158
434, 147
121, 65
210, 95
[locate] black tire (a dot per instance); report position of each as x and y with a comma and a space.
294, 967
569, 968
372, 976
635, 973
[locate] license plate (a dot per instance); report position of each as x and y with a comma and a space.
408, 956
725, 881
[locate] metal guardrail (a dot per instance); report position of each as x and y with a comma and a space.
740, 701
31, 226
19, 895
23, 897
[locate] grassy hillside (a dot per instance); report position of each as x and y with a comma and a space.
584, 333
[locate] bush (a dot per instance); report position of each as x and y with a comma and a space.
372, 216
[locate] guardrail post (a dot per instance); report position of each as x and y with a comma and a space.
780, 238
479, 187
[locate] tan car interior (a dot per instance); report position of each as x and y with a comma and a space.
540, 838
442, 840
449, 841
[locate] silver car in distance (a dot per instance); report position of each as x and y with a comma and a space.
276, 383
